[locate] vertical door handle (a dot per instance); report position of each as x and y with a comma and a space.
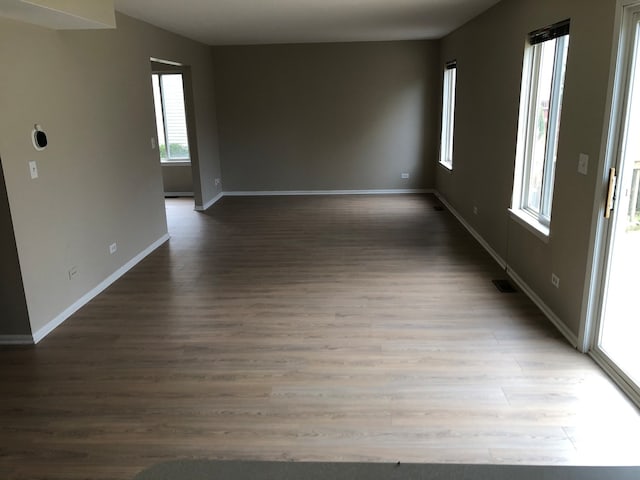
611, 193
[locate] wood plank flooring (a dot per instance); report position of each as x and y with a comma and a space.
344, 328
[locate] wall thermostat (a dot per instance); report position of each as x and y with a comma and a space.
39, 138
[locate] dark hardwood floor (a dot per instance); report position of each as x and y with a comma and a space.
343, 328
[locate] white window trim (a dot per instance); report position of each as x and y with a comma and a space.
537, 223
531, 223
448, 115
174, 161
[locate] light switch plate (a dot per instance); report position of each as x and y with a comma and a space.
583, 164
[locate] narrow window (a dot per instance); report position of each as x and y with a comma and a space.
168, 96
448, 108
538, 131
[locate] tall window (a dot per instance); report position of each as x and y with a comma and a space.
540, 110
168, 96
448, 109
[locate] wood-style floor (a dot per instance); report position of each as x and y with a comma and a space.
344, 328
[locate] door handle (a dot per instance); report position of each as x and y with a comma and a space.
611, 193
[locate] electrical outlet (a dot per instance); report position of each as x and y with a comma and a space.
555, 280
73, 273
583, 164
153, 143
33, 169
405, 175
113, 248
475, 210
216, 182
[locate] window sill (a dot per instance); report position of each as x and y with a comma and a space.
175, 163
534, 226
448, 168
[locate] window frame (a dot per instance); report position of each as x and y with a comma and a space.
540, 219
170, 160
448, 114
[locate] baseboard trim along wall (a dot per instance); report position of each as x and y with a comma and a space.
270, 193
210, 203
16, 340
528, 291
553, 318
472, 231
86, 298
275, 193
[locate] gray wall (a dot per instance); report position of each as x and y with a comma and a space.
328, 116
14, 318
100, 180
489, 51
177, 179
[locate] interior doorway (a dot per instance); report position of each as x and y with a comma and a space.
618, 334
174, 123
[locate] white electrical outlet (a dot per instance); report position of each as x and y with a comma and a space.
113, 248
33, 169
405, 175
583, 164
216, 182
475, 210
153, 143
555, 280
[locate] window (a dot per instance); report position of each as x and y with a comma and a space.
168, 96
538, 131
448, 107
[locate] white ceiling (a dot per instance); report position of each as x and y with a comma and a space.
236, 22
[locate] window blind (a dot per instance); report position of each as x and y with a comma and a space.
556, 30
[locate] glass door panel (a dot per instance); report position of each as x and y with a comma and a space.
619, 336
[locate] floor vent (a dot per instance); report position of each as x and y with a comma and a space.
438, 208
504, 286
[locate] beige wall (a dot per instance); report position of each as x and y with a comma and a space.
328, 116
100, 180
98, 12
14, 319
489, 51
177, 179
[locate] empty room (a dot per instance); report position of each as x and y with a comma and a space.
303, 239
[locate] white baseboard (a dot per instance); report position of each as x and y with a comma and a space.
553, 318
501, 261
178, 194
270, 193
59, 319
210, 203
528, 291
16, 340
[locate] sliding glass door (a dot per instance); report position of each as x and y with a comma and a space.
618, 339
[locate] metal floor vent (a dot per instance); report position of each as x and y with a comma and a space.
438, 208
504, 286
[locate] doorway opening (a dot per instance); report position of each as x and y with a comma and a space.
174, 122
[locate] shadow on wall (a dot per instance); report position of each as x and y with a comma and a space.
14, 318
